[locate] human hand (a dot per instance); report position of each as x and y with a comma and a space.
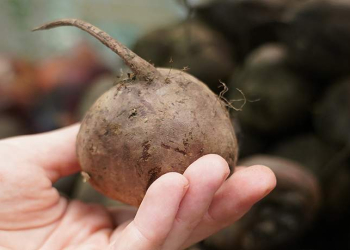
177, 211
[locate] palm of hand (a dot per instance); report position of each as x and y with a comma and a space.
178, 210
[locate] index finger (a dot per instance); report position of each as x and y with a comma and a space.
53, 151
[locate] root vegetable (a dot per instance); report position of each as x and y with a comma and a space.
283, 98
154, 122
318, 38
332, 114
246, 23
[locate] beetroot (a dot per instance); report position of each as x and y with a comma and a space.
154, 122
280, 99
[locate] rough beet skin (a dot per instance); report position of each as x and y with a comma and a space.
154, 122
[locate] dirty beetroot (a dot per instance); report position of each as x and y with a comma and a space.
153, 122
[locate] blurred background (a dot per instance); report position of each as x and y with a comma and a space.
290, 59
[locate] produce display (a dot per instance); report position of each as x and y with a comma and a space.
255, 81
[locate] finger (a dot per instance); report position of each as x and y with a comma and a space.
122, 214
205, 177
235, 197
121, 217
155, 216
239, 168
53, 151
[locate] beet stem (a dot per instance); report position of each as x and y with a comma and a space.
140, 67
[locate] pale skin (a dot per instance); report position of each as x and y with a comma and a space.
177, 211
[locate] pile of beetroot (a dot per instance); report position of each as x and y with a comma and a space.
291, 61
